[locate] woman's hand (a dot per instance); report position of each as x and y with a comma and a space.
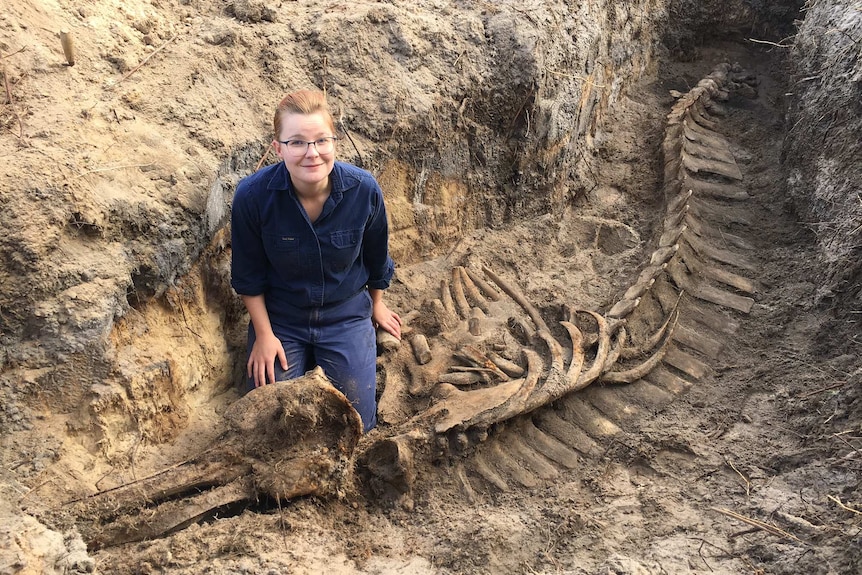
267, 347
382, 316
261, 361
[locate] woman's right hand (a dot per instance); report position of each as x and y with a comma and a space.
261, 362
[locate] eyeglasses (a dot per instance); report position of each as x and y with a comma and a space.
299, 148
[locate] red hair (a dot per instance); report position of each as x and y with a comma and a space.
302, 102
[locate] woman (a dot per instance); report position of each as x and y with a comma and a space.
310, 259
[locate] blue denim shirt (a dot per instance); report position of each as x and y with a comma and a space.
278, 252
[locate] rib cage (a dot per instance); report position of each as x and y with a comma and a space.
522, 431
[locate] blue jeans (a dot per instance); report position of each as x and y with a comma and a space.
340, 339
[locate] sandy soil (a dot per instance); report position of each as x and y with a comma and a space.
755, 469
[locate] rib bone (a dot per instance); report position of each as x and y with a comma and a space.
639, 371
519, 298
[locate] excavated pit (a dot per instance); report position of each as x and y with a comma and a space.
526, 152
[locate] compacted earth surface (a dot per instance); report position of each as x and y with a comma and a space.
755, 468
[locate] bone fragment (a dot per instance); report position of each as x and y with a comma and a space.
617, 347
694, 126
517, 402
390, 407
446, 320
588, 418
421, 350
662, 255
462, 408
587, 340
386, 341
671, 148
557, 381
702, 115
704, 249
692, 260
639, 371
421, 382
707, 151
577, 362
694, 164
623, 308
687, 363
638, 290
461, 378
392, 463
713, 86
461, 303
486, 288
680, 200
698, 341
650, 272
488, 376
474, 324
520, 330
714, 141
446, 298
654, 339
716, 189
407, 320
441, 443
172, 515
68, 46
555, 349
471, 291
589, 376
191, 476
484, 468
707, 292
673, 219
479, 434
720, 214
671, 236
699, 115
461, 442
673, 171
534, 461
511, 368
548, 445
473, 356
676, 195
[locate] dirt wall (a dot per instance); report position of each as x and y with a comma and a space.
692, 24
122, 181
823, 154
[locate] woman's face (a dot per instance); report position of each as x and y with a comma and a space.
311, 169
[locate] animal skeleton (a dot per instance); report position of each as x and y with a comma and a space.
477, 373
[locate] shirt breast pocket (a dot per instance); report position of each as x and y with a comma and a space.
284, 252
346, 245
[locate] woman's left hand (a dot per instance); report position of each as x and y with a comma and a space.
382, 316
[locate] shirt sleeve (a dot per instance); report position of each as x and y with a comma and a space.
248, 258
380, 266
